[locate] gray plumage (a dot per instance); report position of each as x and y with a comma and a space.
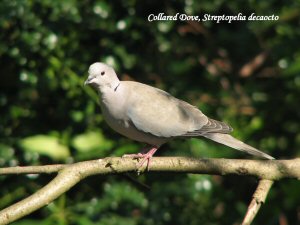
150, 115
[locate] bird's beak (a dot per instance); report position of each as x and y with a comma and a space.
89, 80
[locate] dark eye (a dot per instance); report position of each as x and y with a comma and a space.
102, 73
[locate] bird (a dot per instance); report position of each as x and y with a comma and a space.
152, 116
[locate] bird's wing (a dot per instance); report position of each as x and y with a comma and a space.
212, 126
154, 111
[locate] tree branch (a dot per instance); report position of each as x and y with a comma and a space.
264, 169
69, 175
32, 169
258, 198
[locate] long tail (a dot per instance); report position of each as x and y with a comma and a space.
227, 139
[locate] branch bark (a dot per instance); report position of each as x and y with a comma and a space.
69, 175
32, 169
264, 169
258, 198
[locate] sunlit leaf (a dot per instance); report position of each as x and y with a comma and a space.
91, 141
45, 145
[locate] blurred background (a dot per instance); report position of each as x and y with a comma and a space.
245, 73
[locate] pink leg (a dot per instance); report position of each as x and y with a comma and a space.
145, 155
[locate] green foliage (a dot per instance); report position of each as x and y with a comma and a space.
45, 145
91, 144
246, 73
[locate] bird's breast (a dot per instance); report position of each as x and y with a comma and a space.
118, 121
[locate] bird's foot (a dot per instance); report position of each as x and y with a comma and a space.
145, 156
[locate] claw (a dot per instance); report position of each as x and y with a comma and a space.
144, 156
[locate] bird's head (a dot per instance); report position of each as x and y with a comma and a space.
102, 76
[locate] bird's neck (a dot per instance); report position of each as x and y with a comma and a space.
112, 100
109, 87
107, 92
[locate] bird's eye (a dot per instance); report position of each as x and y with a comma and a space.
102, 73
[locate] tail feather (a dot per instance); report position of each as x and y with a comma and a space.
228, 140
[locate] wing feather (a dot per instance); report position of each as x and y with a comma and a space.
212, 126
154, 111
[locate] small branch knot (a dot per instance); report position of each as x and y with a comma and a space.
242, 171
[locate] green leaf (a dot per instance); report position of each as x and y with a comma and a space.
6, 153
91, 141
45, 145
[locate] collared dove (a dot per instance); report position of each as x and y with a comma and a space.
153, 116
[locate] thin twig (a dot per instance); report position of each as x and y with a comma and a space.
258, 198
249, 68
